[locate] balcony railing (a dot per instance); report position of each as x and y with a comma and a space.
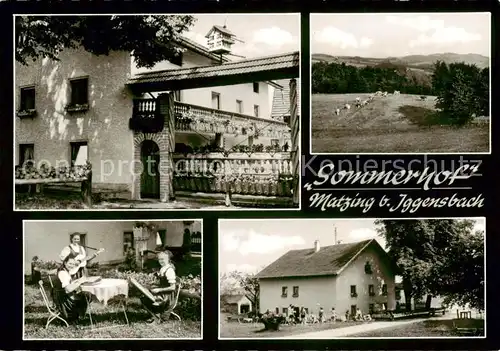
192, 118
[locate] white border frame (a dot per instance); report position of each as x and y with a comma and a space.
298, 337
114, 220
299, 35
490, 17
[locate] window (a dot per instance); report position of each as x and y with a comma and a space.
398, 294
256, 87
368, 268
371, 308
284, 291
177, 95
215, 100
162, 233
353, 311
239, 106
277, 310
79, 91
79, 153
353, 291
256, 110
285, 311
196, 242
295, 291
384, 289
371, 290
26, 153
27, 99
128, 242
177, 59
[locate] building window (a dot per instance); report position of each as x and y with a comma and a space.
284, 291
27, 99
79, 153
256, 87
128, 242
277, 310
26, 154
79, 91
368, 268
285, 311
215, 100
295, 291
177, 59
162, 233
239, 106
384, 289
306, 309
353, 291
371, 290
196, 242
256, 110
371, 308
354, 309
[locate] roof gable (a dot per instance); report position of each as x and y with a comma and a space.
328, 261
222, 29
281, 99
232, 299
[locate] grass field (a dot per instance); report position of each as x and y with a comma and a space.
110, 320
430, 328
392, 124
249, 330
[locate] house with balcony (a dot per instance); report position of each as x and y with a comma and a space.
342, 276
106, 111
46, 239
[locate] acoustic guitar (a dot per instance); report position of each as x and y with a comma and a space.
83, 262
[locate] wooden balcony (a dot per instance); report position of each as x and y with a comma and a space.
193, 118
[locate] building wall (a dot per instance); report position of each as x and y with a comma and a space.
355, 274
102, 126
312, 290
47, 239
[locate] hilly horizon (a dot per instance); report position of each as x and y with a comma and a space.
419, 62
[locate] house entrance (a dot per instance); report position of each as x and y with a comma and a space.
244, 309
150, 177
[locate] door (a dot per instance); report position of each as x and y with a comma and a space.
150, 177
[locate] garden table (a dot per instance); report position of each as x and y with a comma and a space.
104, 290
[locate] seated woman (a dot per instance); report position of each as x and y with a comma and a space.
67, 293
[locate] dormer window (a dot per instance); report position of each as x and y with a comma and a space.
368, 268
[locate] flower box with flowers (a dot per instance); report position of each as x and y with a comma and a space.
77, 107
29, 113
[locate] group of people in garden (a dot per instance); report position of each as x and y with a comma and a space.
305, 317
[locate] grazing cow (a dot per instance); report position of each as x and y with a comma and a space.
337, 111
347, 106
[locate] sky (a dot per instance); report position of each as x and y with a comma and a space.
391, 34
262, 34
251, 245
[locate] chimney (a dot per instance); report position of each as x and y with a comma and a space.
316, 246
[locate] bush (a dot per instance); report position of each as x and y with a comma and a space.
272, 321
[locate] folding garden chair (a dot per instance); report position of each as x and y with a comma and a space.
54, 313
164, 313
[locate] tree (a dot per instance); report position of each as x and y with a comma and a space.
437, 257
150, 39
234, 281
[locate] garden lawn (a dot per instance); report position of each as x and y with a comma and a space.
429, 328
35, 318
249, 330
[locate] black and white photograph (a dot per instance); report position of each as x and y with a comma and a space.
400, 83
157, 111
112, 279
352, 278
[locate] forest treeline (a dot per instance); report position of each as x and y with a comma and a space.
462, 89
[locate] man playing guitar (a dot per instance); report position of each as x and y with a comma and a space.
78, 251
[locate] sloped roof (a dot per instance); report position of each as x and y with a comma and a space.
200, 49
232, 299
267, 68
223, 29
281, 99
329, 260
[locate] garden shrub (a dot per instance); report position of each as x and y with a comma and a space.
272, 321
